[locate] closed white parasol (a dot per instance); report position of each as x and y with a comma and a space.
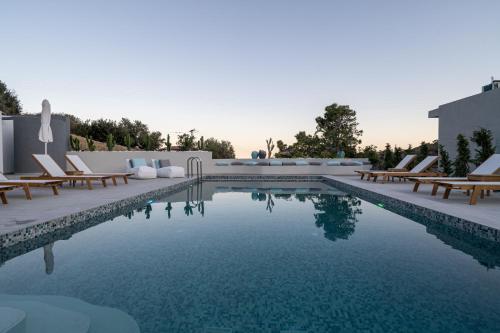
45, 133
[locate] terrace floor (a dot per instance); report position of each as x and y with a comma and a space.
486, 212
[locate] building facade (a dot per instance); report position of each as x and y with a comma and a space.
467, 115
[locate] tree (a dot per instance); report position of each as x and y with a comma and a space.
462, 160
371, 153
9, 102
483, 138
423, 151
409, 150
219, 149
338, 129
283, 150
445, 163
388, 161
398, 154
186, 141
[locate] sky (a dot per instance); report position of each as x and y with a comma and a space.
245, 71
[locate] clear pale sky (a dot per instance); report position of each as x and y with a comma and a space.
248, 70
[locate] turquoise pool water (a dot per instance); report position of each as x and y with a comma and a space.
287, 258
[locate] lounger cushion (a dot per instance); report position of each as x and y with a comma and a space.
301, 163
236, 163
138, 162
333, 163
288, 163
250, 163
315, 163
350, 163
275, 163
171, 172
222, 163
263, 163
144, 172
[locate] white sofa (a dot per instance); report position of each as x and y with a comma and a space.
168, 172
141, 172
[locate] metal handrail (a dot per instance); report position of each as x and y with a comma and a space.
190, 167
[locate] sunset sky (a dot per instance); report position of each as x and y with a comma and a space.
248, 70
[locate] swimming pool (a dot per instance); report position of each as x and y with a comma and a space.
270, 257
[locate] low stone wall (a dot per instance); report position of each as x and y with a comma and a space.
114, 161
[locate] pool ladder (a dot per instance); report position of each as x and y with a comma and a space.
190, 167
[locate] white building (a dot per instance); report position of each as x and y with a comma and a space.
467, 115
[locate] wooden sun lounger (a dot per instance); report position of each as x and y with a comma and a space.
76, 162
53, 172
477, 188
27, 184
3, 197
420, 170
486, 172
402, 166
432, 180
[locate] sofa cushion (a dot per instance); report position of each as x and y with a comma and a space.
275, 163
171, 172
137, 162
301, 163
165, 163
288, 163
333, 163
263, 163
315, 163
221, 163
351, 163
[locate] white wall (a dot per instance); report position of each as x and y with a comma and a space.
467, 115
114, 161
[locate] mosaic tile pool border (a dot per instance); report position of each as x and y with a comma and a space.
83, 218
413, 211
274, 178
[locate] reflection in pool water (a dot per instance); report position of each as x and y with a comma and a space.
257, 259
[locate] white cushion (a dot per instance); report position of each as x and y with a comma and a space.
171, 172
143, 172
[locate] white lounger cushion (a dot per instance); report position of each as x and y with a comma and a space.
405, 161
171, 172
79, 165
425, 164
488, 167
49, 165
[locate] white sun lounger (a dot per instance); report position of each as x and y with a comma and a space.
52, 171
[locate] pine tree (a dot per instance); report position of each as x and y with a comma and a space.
446, 166
423, 151
462, 160
388, 160
398, 154
484, 142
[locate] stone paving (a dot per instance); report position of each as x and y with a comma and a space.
486, 212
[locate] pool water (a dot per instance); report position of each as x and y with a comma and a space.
287, 258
